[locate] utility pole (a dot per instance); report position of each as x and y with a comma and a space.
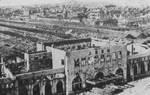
2, 65
132, 47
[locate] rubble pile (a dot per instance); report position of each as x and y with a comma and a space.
108, 90
141, 87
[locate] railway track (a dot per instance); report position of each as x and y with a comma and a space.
33, 39
34, 30
88, 28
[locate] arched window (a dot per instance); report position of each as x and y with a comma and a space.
99, 75
119, 72
48, 88
59, 87
3, 90
22, 89
120, 80
77, 83
36, 90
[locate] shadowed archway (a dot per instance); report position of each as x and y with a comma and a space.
99, 75
22, 87
77, 83
36, 90
59, 87
142, 68
119, 72
48, 88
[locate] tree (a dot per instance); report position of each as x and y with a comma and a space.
97, 23
81, 16
60, 17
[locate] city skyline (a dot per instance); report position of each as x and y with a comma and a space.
134, 3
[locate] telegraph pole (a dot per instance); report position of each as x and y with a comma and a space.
132, 47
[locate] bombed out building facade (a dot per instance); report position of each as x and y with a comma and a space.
63, 68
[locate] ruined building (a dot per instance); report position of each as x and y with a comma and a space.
63, 68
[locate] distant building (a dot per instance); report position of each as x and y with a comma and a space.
26, 12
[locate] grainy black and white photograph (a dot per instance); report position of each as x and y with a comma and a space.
74, 47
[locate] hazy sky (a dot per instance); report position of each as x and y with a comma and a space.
30, 2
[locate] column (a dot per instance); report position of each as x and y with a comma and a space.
66, 75
42, 87
16, 88
28, 88
53, 85
132, 71
125, 74
31, 85
138, 72
31, 89
146, 66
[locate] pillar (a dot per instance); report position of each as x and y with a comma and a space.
27, 86
66, 75
132, 71
146, 66
125, 73
31, 86
69, 85
138, 71
53, 86
16, 88
42, 87
31, 89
